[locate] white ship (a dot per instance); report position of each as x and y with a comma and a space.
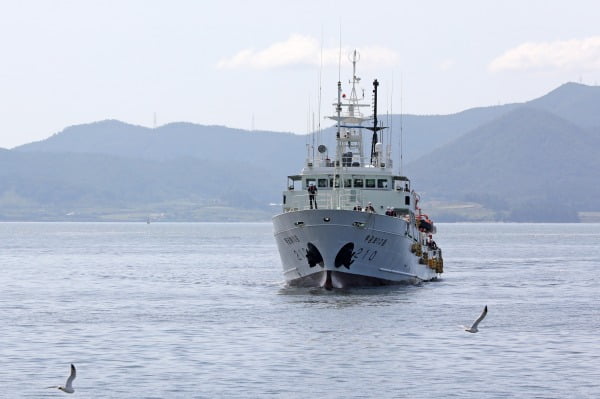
350, 221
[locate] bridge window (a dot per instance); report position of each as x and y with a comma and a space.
358, 182
370, 183
382, 183
322, 183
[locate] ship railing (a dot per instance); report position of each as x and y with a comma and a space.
351, 198
434, 253
301, 202
346, 199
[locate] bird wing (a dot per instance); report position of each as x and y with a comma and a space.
481, 317
71, 377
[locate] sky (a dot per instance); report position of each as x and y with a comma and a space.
264, 64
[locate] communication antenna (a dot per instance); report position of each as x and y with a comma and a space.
319, 138
313, 134
391, 119
338, 111
340, 56
401, 133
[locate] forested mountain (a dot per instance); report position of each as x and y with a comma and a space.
173, 141
534, 161
84, 186
527, 165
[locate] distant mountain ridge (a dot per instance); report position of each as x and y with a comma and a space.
574, 102
528, 160
170, 141
533, 161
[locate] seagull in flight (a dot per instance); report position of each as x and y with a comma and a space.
473, 328
68, 388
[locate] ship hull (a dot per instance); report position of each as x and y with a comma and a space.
342, 248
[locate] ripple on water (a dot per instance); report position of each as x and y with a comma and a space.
193, 310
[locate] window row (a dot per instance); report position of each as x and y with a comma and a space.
348, 183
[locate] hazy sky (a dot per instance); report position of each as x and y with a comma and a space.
256, 63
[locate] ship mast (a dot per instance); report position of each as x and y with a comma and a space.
375, 128
349, 143
338, 161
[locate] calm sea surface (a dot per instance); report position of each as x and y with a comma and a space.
201, 311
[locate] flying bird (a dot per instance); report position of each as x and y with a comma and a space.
473, 328
68, 388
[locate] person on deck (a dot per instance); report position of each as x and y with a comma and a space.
312, 192
369, 208
430, 243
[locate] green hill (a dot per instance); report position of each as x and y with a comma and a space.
527, 165
534, 161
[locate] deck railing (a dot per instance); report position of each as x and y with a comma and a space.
345, 199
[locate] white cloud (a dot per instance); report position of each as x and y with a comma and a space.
304, 50
564, 54
296, 50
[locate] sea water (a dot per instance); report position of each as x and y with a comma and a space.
201, 311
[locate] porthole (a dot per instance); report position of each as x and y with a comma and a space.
327, 219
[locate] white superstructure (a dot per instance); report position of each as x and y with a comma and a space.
350, 221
